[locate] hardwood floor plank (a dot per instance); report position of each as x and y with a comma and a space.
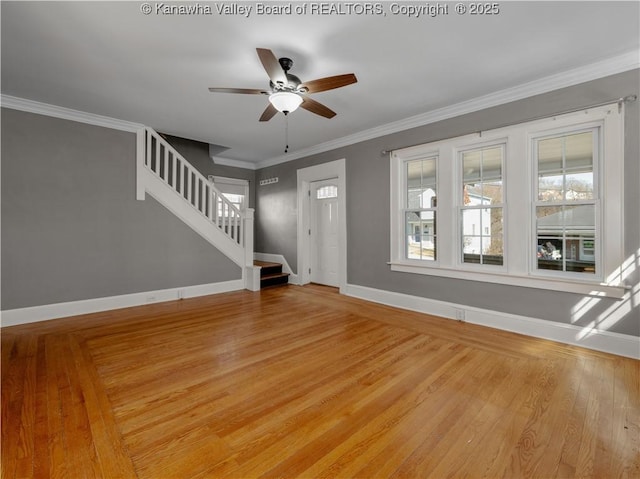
452, 407
191, 454
566, 463
490, 397
602, 461
41, 459
304, 382
307, 414
60, 466
625, 446
391, 427
18, 396
263, 377
329, 415
556, 419
28, 413
625, 441
493, 452
112, 458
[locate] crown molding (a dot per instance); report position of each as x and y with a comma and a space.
611, 66
31, 106
608, 67
247, 165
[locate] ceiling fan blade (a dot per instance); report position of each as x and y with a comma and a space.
272, 66
329, 83
316, 107
268, 113
246, 91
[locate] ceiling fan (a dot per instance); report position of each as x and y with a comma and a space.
286, 91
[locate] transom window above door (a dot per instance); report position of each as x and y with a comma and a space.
326, 192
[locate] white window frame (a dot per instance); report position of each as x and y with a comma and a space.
597, 129
235, 186
433, 208
471, 146
398, 203
519, 175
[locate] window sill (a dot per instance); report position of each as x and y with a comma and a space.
568, 286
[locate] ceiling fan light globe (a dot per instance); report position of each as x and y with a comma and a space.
285, 101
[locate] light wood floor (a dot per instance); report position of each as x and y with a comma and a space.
302, 382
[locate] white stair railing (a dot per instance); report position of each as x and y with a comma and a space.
177, 173
167, 176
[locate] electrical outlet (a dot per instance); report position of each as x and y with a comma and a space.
460, 314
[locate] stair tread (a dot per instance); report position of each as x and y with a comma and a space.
274, 275
266, 264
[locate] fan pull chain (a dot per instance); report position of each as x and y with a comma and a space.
286, 132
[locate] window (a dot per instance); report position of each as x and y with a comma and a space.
520, 205
481, 211
326, 192
233, 189
565, 208
420, 209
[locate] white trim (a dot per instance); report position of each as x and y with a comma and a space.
278, 258
600, 290
247, 165
45, 312
305, 176
140, 154
232, 186
599, 340
31, 106
619, 64
228, 181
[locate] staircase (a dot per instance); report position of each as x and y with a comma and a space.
168, 177
271, 274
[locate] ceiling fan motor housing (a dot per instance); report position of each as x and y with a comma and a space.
293, 82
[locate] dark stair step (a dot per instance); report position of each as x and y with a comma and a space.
268, 268
276, 279
271, 274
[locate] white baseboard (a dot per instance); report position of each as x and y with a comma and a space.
33, 314
278, 258
614, 343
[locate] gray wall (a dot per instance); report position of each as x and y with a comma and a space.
368, 208
72, 228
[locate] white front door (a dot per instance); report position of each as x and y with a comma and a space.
324, 238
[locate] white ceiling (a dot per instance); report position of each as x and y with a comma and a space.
110, 59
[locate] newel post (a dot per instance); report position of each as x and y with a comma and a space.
251, 273
140, 155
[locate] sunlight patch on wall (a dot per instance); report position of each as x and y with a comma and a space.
614, 313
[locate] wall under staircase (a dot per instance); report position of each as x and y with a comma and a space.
167, 176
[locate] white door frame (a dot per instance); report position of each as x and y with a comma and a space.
306, 176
